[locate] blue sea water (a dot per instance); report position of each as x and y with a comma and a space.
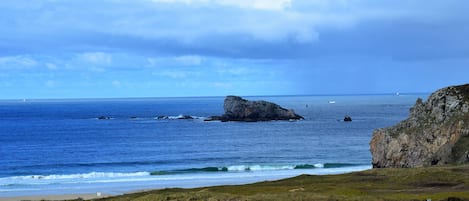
60, 146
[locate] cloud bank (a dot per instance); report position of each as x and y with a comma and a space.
52, 48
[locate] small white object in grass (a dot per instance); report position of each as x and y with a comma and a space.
98, 194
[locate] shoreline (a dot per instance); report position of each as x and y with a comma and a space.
196, 180
435, 183
57, 197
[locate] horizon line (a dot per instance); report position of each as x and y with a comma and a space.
210, 96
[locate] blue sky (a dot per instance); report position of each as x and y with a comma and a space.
160, 48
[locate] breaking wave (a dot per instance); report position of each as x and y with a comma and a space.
119, 176
254, 168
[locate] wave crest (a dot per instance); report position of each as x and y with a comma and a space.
254, 168
80, 176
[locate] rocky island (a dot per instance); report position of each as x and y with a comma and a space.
239, 109
435, 133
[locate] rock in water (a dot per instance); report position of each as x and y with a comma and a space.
436, 133
239, 109
347, 118
104, 118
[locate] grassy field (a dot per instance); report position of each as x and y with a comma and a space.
435, 183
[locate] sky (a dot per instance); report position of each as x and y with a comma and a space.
173, 48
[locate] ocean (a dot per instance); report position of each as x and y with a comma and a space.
62, 147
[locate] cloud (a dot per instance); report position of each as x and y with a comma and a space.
17, 62
220, 28
116, 83
51, 66
223, 85
175, 61
189, 60
235, 71
225, 46
96, 58
174, 74
245, 4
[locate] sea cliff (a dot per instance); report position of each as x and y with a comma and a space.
435, 133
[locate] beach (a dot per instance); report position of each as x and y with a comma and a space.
431, 183
55, 197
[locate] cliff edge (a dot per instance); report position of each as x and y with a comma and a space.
435, 133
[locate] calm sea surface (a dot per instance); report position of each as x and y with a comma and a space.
60, 146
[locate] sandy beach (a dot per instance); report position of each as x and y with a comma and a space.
55, 197
434, 183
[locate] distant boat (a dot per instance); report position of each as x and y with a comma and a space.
331, 102
24, 100
398, 94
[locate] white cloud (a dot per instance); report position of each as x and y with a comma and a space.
116, 83
234, 71
190, 60
97, 58
260, 4
267, 20
174, 74
245, 4
51, 66
223, 85
17, 62
191, 20
176, 61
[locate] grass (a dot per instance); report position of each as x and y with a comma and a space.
435, 183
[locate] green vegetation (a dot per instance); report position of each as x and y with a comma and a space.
435, 183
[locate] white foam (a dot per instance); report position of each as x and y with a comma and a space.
319, 165
179, 117
240, 168
80, 176
92, 177
237, 168
125, 182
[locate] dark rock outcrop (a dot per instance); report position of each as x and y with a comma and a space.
104, 118
347, 118
239, 109
436, 133
183, 117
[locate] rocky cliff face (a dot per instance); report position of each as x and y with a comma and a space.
239, 109
436, 133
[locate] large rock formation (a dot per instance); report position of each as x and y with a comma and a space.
436, 133
239, 109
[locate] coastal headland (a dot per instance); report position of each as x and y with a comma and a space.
435, 133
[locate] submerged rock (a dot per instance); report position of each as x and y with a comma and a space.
215, 118
435, 133
183, 117
239, 109
347, 118
161, 117
104, 118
